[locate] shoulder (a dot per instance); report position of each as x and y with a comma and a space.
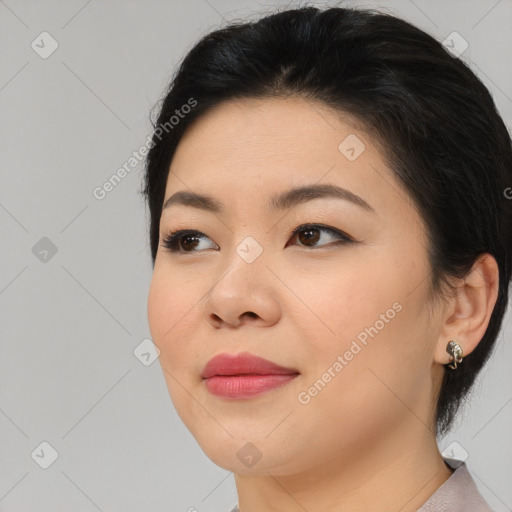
458, 494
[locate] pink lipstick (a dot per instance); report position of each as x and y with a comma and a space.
244, 375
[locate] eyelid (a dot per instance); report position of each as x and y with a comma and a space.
171, 239
323, 227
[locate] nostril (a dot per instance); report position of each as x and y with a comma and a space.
216, 319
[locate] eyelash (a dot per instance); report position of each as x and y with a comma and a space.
171, 241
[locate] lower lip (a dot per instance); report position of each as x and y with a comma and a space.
245, 386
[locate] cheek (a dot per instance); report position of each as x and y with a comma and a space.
364, 313
341, 300
171, 316
359, 390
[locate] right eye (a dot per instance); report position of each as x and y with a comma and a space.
184, 240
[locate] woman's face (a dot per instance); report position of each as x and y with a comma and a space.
349, 317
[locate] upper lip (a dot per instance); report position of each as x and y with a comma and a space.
243, 364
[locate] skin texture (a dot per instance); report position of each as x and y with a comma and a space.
365, 441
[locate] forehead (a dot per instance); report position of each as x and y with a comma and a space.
252, 147
274, 126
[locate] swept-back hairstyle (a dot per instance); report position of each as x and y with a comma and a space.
434, 121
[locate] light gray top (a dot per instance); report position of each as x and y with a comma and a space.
458, 494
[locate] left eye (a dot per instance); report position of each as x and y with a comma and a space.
309, 234
174, 241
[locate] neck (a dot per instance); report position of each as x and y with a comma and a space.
399, 473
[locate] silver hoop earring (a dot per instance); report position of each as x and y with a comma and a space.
455, 351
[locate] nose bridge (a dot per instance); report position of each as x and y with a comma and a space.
249, 249
243, 286
246, 265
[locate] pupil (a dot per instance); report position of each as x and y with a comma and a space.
184, 244
309, 236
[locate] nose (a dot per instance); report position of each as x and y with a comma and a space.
245, 294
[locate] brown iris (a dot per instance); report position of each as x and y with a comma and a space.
189, 247
311, 235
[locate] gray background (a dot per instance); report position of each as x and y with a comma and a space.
71, 322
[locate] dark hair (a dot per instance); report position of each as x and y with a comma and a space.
434, 121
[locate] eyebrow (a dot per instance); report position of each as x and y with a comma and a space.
281, 201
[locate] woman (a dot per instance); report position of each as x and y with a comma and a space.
330, 233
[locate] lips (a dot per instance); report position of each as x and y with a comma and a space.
244, 376
243, 364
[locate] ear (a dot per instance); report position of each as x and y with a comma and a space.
467, 315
